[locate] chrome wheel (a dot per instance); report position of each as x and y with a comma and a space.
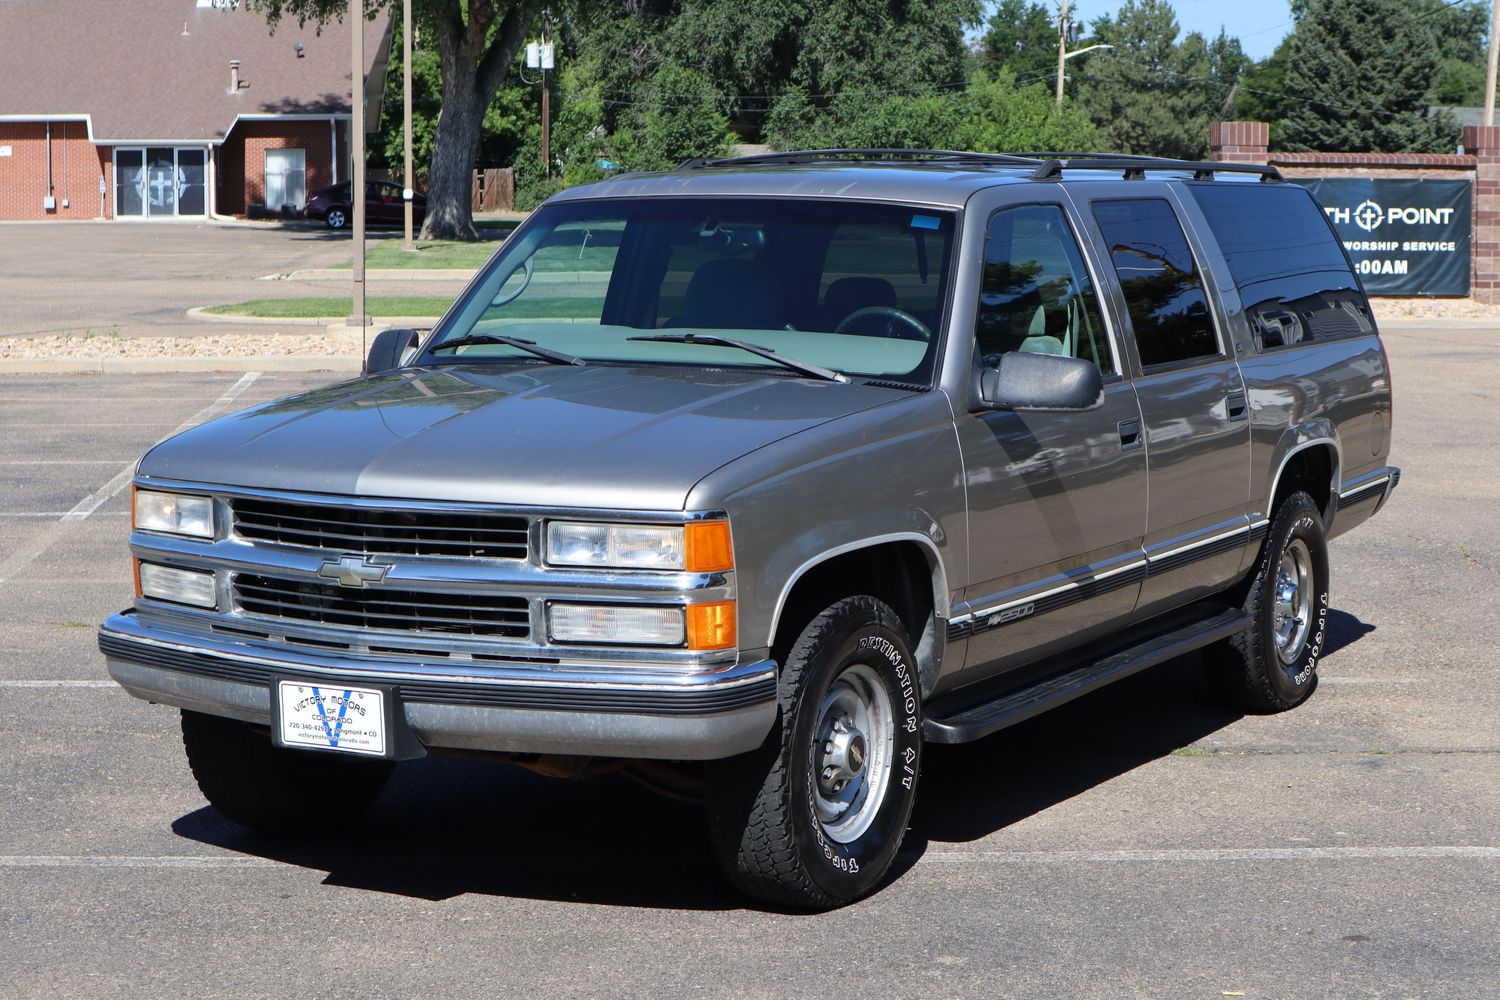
853, 753
1291, 614
335, 218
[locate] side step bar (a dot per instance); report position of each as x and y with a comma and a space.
1017, 706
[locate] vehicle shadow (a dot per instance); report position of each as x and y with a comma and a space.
446, 827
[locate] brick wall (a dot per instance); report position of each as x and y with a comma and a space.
77, 166
1483, 142
242, 159
1247, 142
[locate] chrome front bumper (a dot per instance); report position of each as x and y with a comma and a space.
629, 711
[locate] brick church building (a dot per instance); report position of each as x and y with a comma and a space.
172, 109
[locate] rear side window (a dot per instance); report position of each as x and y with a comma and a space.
1163, 289
1293, 278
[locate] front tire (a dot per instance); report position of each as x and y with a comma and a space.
336, 219
274, 790
814, 818
1271, 666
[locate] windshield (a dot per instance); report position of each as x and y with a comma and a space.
857, 288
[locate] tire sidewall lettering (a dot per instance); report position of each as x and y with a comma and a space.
866, 644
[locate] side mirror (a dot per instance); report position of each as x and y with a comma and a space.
391, 350
1041, 382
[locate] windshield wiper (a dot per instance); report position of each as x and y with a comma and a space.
714, 340
520, 344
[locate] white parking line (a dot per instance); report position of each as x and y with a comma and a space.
58, 461
58, 684
1214, 855
24, 556
1369, 680
54, 514
1432, 853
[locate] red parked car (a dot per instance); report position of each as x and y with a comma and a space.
383, 205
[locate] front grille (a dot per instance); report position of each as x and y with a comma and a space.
402, 610
381, 531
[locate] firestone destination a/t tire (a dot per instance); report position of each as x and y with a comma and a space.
274, 790
1272, 665
813, 818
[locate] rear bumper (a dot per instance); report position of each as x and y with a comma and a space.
1363, 498
554, 709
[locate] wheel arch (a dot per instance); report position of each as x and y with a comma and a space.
918, 592
1311, 458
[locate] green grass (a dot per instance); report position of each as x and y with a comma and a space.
433, 253
335, 307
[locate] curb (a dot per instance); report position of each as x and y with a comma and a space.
1404, 323
333, 323
167, 366
376, 274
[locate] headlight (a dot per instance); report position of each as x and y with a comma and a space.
701, 547
180, 586
616, 624
174, 513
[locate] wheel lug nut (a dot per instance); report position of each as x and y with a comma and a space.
828, 746
827, 774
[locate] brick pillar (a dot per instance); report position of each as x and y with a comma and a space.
1239, 142
1483, 143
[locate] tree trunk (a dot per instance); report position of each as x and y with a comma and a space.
472, 74
450, 209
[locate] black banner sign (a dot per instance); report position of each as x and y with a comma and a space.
1406, 237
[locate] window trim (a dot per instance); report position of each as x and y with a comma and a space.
1210, 286
1098, 288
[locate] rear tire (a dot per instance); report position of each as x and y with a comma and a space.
274, 790
1271, 666
814, 818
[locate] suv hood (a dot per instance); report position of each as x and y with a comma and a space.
596, 436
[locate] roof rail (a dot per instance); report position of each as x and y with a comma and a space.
1134, 166
826, 155
1044, 166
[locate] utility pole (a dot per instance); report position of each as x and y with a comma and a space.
1062, 48
357, 173
410, 181
546, 111
1489, 80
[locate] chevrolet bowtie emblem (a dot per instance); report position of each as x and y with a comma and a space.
353, 571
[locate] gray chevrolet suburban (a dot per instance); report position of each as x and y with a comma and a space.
752, 477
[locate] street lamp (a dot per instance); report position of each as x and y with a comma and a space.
1064, 56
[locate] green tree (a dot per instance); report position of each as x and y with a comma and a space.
1261, 95
751, 51
992, 115
1020, 36
476, 42
1372, 66
678, 120
1461, 31
1154, 94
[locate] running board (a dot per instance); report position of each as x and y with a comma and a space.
987, 717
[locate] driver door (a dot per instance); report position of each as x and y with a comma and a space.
1057, 500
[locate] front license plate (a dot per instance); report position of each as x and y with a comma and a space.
331, 717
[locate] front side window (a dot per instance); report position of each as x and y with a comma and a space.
1036, 294
857, 288
1163, 288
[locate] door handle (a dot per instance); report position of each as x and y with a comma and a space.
1234, 404
1130, 434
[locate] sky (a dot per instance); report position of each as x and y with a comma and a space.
1259, 24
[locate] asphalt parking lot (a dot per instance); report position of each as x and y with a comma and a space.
1141, 842
138, 279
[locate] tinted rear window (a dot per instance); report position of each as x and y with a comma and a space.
1269, 230
1294, 281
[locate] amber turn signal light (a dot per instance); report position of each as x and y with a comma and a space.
711, 626
708, 549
